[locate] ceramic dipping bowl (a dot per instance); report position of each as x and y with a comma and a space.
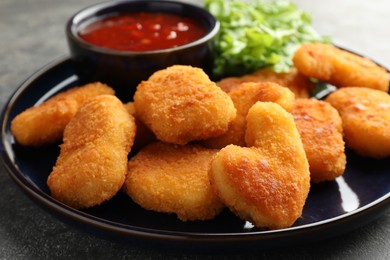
125, 69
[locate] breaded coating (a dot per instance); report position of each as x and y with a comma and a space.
173, 179
366, 120
267, 183
320, 127
92, 164
144, 135
44, 124
181, 104
244, 97
299, 84
339, 67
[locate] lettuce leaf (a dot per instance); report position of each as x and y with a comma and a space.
258, 34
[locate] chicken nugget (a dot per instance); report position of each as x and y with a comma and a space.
173, 179
320, 127
143, 135
92, 164
366, 120
266, 183
339, 67
244, 97
230, 83
181, 104
45, 123
299, 84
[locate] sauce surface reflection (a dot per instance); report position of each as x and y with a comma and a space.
143, 31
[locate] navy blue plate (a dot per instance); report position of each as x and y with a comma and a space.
332, 208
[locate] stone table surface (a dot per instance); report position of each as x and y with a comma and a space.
32, 35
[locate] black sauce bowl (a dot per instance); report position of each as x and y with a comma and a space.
124, 70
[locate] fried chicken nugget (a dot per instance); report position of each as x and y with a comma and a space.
45, 123
143, 135
244, 97
173, 179
320, 127
92, 164
266, 183
338, 67
181, 104
230, 83
366, 120
299, 84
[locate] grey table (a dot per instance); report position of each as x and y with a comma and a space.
32, 34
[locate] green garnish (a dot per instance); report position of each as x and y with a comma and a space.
258, 34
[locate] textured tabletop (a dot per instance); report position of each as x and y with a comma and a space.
32, 35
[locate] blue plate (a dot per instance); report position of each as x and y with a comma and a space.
332, 208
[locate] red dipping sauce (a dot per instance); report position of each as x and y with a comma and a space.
143, 31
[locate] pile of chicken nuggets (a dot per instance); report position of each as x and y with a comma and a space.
252, 144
